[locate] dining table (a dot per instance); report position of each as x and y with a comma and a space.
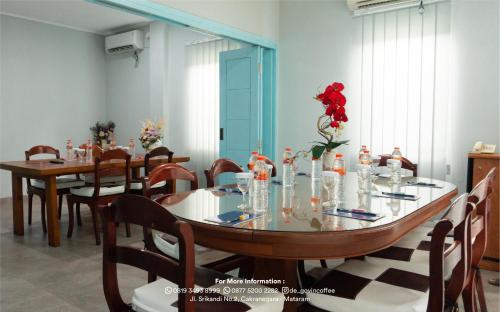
299, 225
46, 170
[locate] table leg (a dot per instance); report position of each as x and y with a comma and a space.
284, 270
171, 187
136, 173
53, 226
17, 204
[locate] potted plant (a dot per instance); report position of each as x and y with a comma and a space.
103, 133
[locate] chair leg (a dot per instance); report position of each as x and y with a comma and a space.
468, 298
78, 215
71, 217
323, 263
127, 229
93, 210
480, 291
59, 212
30, 207
43, 208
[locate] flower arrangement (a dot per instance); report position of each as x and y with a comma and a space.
331, 123
151, 134
103, 132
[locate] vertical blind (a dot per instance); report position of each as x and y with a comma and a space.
404, 84
203, 101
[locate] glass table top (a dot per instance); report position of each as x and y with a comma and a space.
296, 210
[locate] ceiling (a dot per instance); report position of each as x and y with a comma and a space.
76, 14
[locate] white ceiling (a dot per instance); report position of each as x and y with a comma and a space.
76, 14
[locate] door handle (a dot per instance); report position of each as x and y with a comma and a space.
221, 134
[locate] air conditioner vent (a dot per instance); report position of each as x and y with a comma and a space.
125, 42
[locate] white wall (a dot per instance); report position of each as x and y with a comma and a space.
475, 84
53, 87
257, 17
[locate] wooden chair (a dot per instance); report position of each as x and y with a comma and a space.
435, 287
160, 188
270, 162
164, 244
37, 187
405, 164
101, 194
179, 273
481, 196
220, 166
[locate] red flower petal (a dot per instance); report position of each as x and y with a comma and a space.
337, 86
330, 110
334, 124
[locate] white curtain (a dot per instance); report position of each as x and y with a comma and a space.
404, 85
203, 101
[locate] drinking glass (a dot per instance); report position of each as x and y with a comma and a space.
243, 180
329, 179
364, 178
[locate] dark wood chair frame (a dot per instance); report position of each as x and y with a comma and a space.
270, 162
405, 164
220, 166
96, 200
135, 209
161, 151
170, 172
37, 150
481, 197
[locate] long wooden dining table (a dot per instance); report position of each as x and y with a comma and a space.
45, 170
296, 226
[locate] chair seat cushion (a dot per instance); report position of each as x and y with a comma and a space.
155, 297
168, 245
137, 185
61, 183
88, 191
363, 286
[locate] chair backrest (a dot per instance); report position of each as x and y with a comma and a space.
220, 166
109, 164
270, 162
405, 163
96, 151
129, 208
450, 265
40, 149
161, 151
168, 172
480, 196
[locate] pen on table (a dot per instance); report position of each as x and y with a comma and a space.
355, 211
398, 194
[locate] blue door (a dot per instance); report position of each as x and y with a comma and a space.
240, 84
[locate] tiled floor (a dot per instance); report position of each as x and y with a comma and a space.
36, 277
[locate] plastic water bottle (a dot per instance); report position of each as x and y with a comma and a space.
339, 167
131, 148
88, 151
394, 166
317, 167
361, 152
252, 160
396, 154
69, 150
288, 176
260, 185
366, 158
364, 178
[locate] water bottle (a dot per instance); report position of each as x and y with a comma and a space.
252, 160
88, 151
394, 166
362, 151
69, 150
316, 194
317, 167
339, 167
396, 154
260, 185
288, 167
131, 148
364, 178
366, 158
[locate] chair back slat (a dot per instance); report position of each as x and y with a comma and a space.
144, 212
111, 163
220, 166
405, 164
42, 149
159, 152
449, 268
168, 172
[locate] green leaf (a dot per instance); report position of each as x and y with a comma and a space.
335, 144
317, 151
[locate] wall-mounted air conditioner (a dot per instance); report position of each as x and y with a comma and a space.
361, 7
130, 41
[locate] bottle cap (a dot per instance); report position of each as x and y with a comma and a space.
366, 151
255, 153
396, 148
363, 146
339, 155
261, 157
288, 149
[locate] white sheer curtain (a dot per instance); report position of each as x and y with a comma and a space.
404, 84
203, 101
